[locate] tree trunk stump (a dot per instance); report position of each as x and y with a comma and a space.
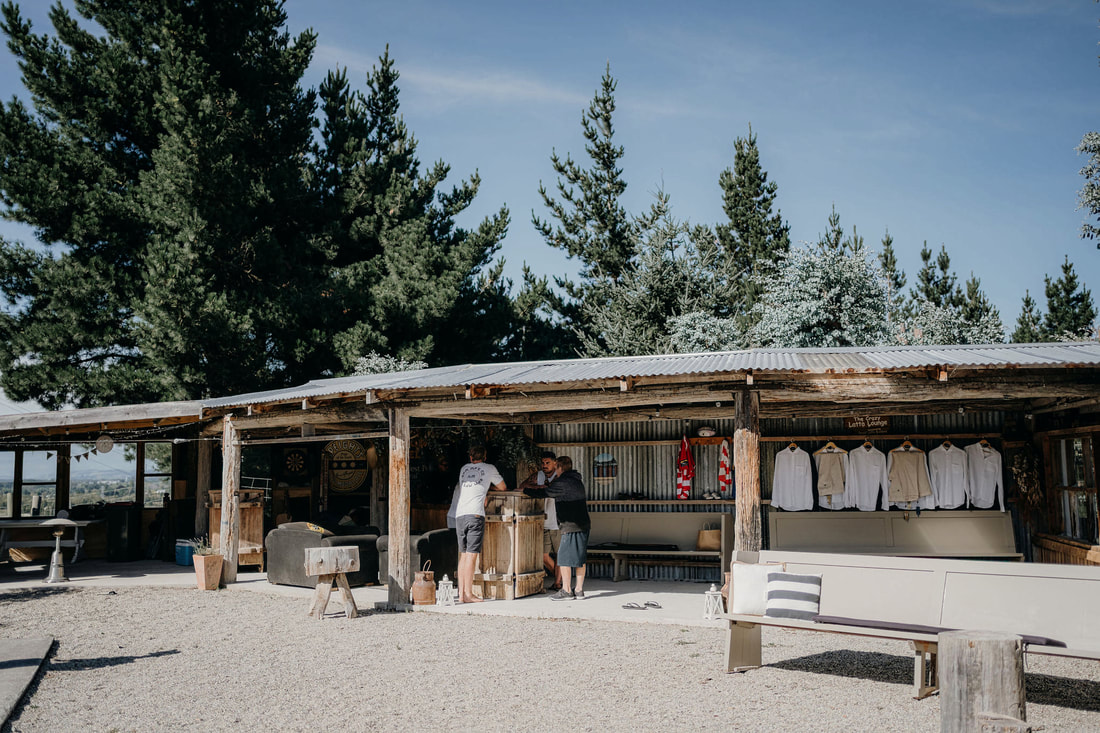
981, 673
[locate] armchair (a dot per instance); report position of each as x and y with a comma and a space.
286, 547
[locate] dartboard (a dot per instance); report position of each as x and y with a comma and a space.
295, 462
347, 465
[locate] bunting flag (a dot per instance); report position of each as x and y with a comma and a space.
685, 471
725, 470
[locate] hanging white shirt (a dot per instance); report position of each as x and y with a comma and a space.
985, 476
866, 478
792, 483
947, 469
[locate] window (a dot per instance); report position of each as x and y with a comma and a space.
1075, 477
155, 472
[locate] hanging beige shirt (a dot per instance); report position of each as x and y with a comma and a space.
908, 472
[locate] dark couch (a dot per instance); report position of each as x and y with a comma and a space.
439, 545
286, 554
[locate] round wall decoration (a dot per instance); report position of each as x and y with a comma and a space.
104, 443
347, 465
295, 462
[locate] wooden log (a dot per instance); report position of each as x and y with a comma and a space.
202, 487
350, 609
320, 596
979, 672
230, 535
332, 560
747, 532
400, 575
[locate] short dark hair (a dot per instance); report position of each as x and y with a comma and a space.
547, 454
477, 453
565, 463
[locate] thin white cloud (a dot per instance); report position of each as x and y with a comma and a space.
458, 86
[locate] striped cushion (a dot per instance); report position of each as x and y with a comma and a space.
791, 595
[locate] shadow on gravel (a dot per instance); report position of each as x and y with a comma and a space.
32, 594
1063, 692
861, 665
77, 665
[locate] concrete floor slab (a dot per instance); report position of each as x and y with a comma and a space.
19, 663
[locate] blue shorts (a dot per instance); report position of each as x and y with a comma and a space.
573, 551
471, 532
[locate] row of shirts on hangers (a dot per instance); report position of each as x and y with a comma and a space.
946, 477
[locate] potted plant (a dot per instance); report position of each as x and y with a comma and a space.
208, 565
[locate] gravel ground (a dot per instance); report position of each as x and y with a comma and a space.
151, 659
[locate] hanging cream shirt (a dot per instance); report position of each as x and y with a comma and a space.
792, 483
832, 469
985, 476
866, 478
947, 469
908, 474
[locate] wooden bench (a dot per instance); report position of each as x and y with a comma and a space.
679, 529
913, 599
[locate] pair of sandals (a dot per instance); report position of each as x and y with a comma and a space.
632, 606
713, 495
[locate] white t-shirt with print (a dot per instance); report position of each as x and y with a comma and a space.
474, 481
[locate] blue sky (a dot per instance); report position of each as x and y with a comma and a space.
951, 122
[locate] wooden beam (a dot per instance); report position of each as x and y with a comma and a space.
351, 413
231, 500
558, 401
62, 478
400, 575
139, 474
315, 438
202, 487
747, 532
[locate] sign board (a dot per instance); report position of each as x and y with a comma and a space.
867, 424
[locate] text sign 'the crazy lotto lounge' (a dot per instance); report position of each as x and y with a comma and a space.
867, 424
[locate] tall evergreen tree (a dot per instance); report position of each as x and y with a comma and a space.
936, 283
1029, 325
587, 218
1071, 314
754, 235
976, 305
157, 162
895, 278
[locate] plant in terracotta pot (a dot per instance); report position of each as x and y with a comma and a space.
208, 564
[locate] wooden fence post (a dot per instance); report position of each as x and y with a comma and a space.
981, 672
230, 544
202, 488
747, 535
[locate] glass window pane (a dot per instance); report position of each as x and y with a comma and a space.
95, 477
7, 476
158, 458
39, 487
1077, 477
1061, 471
156, 488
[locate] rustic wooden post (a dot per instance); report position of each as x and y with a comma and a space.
981, 672
400, 576
202, 487
747, 535
231, 500
62, 479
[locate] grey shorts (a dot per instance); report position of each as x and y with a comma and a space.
573, 552
471, 532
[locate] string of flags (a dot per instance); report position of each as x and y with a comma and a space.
85, 456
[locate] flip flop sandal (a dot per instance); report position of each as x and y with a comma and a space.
652, 604
634, 606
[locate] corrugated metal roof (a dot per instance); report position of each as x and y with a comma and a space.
994, 356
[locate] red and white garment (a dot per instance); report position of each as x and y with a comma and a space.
685, 471
725, 470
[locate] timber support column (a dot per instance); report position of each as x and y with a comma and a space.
400, 575
202, 487
231, 500
747, 535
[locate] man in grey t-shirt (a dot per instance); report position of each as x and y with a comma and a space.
474, 482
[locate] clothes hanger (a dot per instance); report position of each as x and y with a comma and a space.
946, 444
793, 445
906, 445
868, 445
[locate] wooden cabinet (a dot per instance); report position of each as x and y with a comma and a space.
252, 525
511, 555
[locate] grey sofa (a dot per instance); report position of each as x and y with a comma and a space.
439, 545
286, 554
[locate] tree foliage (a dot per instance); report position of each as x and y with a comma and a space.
824, 296
193, 236
1089, 196
1071, 314
895, 279
1029, 324
933, 324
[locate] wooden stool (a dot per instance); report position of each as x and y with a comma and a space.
329, 564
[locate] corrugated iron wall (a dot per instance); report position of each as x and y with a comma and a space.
650, 469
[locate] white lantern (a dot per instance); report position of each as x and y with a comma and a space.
445, 593
712, 603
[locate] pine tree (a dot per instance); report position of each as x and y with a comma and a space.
156, 163
753, 235
588, 220
936, 283
1071, 314
895, 278
1029, 326
976, 307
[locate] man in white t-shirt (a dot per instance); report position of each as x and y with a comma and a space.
474, 482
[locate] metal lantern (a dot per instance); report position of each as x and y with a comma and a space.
712, 603
445, 593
